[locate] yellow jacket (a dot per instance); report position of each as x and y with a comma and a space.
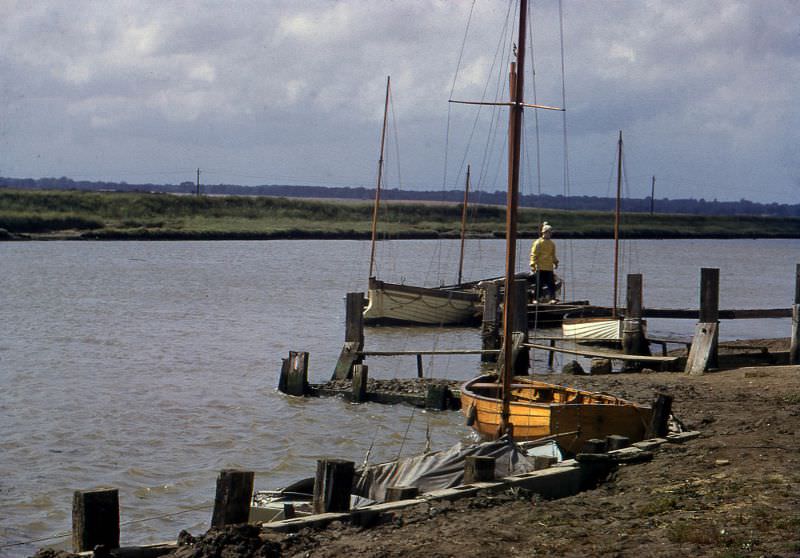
543, 255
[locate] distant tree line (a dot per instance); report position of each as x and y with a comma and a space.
585, 203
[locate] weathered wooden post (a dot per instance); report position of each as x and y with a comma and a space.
332, 485
360, 375
633, 338
353, 337
659, 421
478, 468
294, 374
95, 519
490, 325
437, 397
522, 359
703, 354
794, 347
232, 499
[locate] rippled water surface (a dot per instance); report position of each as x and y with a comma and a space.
150, 366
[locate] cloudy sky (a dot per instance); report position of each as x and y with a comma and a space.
286, 92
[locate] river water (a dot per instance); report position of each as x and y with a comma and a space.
151, 366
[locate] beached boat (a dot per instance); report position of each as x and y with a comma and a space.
540, 410
524, 409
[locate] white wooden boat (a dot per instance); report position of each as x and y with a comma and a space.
391, 303
592, 329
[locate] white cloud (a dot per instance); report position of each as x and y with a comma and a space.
677, 74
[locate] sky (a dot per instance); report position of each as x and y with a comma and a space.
284, 92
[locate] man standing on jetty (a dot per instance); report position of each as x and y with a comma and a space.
544, 262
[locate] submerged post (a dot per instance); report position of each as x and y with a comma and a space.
232, 499
353, 337
360, 375
95, 519
294, 374
794, 347
490, 327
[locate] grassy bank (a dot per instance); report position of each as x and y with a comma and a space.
108, 215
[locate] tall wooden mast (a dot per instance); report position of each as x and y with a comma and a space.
516, 89
616, 225
463, 226
378, 187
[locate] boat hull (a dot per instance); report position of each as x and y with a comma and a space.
540, 410
593, 329
392, 304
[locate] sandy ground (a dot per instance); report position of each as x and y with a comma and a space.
735, 491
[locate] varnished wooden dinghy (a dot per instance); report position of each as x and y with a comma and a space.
541, 410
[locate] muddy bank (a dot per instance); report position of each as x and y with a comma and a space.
735, 491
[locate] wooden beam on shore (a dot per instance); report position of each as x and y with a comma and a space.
603, 354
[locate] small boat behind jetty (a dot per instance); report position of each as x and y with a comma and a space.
538, 410
397, 304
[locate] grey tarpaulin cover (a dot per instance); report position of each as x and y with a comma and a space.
442, 469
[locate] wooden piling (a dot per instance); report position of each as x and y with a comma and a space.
420, 371
633, 339
353, 337
659, 422
397, 493
490, 325
232, 499
704, 352
294, 374
360, 375
95, 519
522, 361
478, 468
332, 485
794, 346
437, 397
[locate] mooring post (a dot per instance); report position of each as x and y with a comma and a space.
633, 338
794, 347
522, 362
232, 499
703, 353
659, 421
360, 374
294, 374
353, 337
437, 397
95, 519
332, 485
490, 325
478, 468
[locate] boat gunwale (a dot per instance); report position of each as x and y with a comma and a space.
618, 401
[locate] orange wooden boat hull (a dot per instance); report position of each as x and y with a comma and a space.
540, 410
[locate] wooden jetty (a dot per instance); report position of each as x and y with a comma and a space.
634, 353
